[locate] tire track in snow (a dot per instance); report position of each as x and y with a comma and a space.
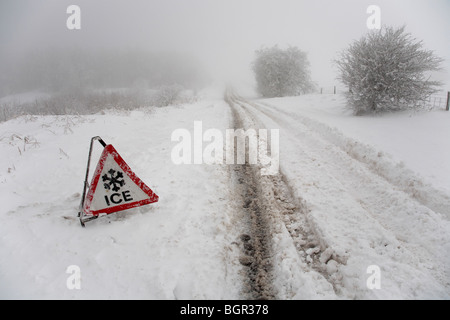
255, 243
274, 212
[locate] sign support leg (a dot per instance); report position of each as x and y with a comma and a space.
81, 213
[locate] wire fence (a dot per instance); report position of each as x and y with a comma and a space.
331, 90
439, 100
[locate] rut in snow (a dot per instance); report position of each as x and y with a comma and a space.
256, 241
268, 202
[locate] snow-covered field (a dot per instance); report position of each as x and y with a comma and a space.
377, 189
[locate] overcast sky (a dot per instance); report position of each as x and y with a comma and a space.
222, 33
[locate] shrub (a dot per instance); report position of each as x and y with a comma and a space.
387, 70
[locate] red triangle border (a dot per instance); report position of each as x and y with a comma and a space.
110, 150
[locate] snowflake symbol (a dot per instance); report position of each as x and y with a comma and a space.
115, 181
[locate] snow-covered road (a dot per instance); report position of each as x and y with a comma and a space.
360, 215
336, 209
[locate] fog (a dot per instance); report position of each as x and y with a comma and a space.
221, 36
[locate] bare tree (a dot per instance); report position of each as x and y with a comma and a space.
281, 73
167, 95
387, 70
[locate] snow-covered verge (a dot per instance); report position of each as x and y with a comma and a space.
178, 248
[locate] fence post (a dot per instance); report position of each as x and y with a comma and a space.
334, 89
448, 101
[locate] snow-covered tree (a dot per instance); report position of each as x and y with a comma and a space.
281, 73
387, 69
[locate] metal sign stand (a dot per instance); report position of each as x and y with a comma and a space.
81, 213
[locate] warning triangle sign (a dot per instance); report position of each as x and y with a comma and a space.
115, 187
